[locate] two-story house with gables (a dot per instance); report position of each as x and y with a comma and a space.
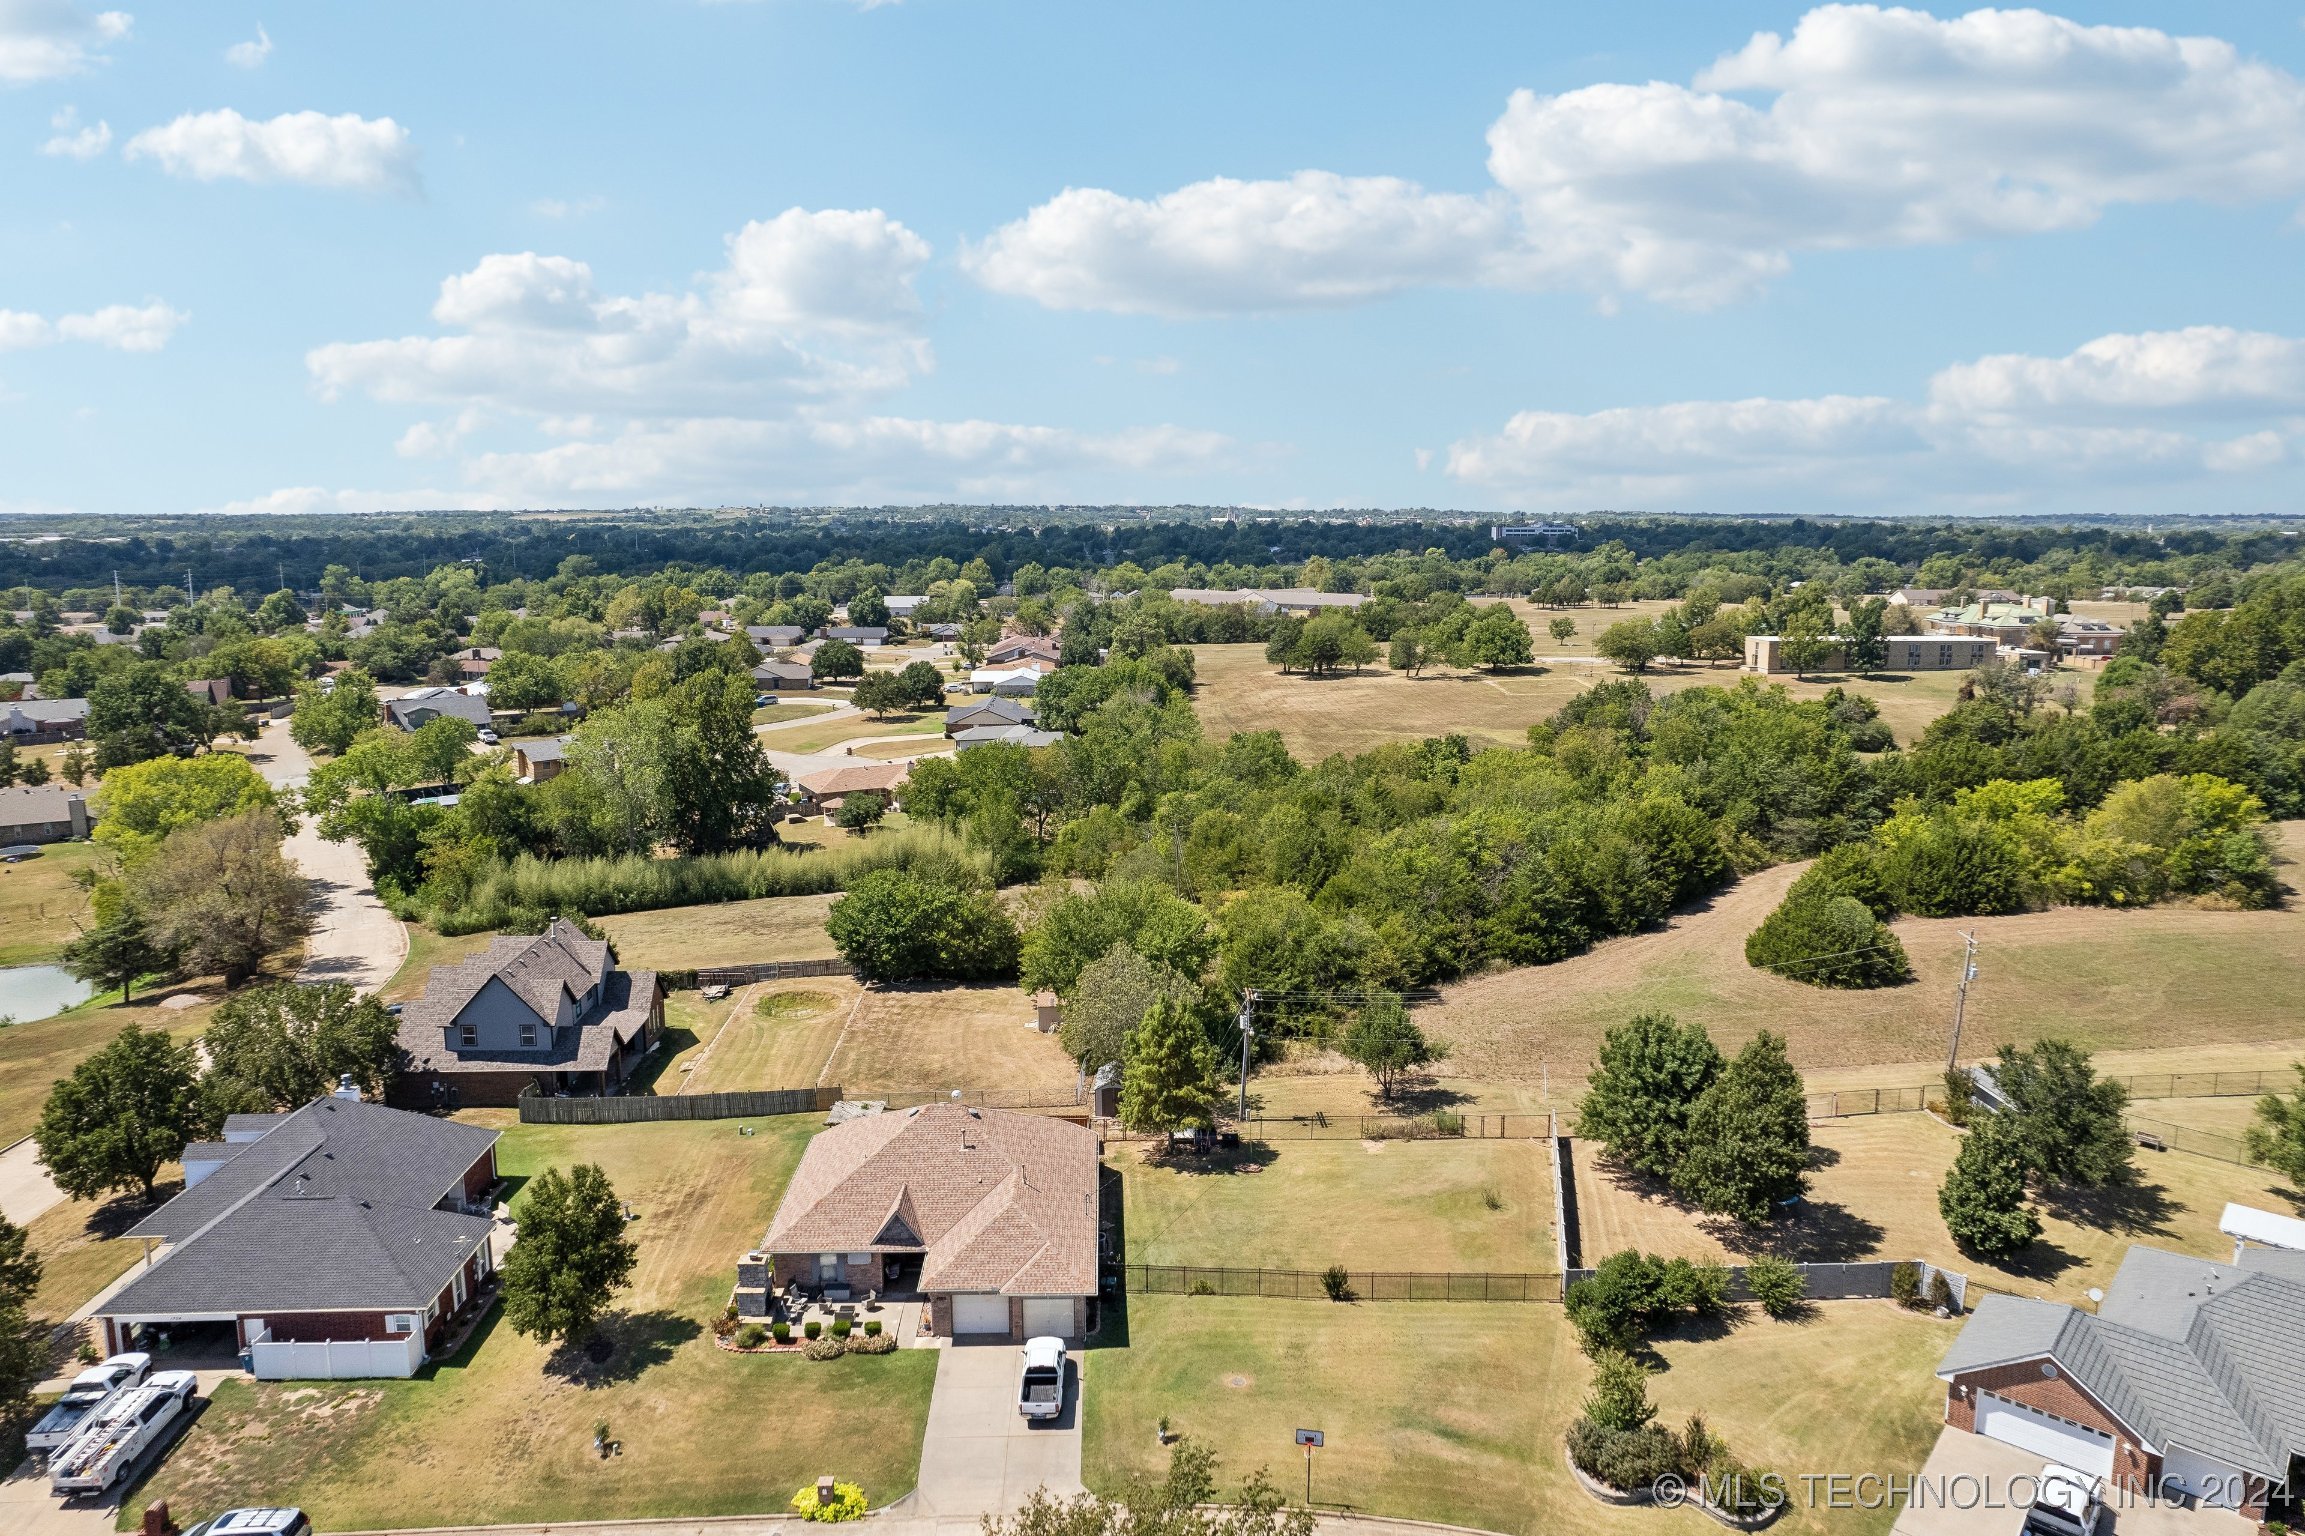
548, 1014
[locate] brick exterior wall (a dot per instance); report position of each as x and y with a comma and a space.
318, 1327
469, 1090
940, 1319
2133, 1466
481, 1175
801, 1268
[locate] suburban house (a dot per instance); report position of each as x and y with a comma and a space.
2191, 1371
474, 661
342, 1224
775, 636
784, 674
1014, 681
2005, 623
546, 1014
825, 790
211, 690
1017, 649
1765, 654
857, 634
410, 712
32, 722
18, 685
906, 606
993, 712
1015, 735
42, 813
535, 761
991, 1216
2088, 638
1267, 600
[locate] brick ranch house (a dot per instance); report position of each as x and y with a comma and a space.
547, 1014
2191, 1371
341, 1221
991, 1216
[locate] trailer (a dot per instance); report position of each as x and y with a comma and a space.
84, 1399
120, 1434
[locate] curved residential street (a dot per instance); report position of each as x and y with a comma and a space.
356, 939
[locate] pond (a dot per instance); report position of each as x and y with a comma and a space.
29, 992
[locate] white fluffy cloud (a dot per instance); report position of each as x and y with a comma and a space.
2122, 412
750, 384
1877, 127
122, 327
73, 140
252, 53
301, 148
47, 39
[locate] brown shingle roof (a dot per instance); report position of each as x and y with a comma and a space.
995, 1201
848, 781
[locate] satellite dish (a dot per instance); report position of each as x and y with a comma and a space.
2096, 1293
956, 1095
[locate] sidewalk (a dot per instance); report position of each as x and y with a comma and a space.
26, 1192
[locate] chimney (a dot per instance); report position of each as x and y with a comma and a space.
346, 1088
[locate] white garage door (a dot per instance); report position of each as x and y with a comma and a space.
2212, 1482
1047, 1315
2061, 1440
979, 1314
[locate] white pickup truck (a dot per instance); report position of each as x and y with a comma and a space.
1040, 1385
119, 1433
89, 1392
2068, 1503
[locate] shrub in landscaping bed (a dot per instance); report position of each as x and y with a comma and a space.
1905, 1284
824, 1349
842, 1327
1633, 1294
872, 1327
812, 1328
1626, 1459
751, 1336
847, 1503
782, 1331
872, 1344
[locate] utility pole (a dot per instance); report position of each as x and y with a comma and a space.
1961, 996
1248, 1028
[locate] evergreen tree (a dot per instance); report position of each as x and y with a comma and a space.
116, 951
2069, 1124
121, 1114
571, 1257
2278, 1138
1171, 1082
1748, 1146
1983, 1196
1650, 1074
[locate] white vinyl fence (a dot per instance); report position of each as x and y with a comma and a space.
338, 1359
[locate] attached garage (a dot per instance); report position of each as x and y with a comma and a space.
2044, 1434
1048, 1316
2212, 1482
979, 1315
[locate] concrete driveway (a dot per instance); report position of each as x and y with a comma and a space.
1972, 1486
25, 1188
355, 939
980, 1456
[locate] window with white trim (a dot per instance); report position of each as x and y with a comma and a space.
400, 1322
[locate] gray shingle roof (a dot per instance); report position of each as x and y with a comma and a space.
25, 805
2185, 1351
626, 1000
332, 1208
464, 706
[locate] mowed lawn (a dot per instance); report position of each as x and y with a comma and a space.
1456, 1412
817, 738
1873, 1195
1236, 689
35, 1056
502, 1434
776, 1035
943, 1036
2109, 980
1384, 1205
40, 903
723, 933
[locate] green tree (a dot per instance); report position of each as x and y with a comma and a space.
572, 1256
1385, 1041
1807, 644
1110, 999
1630, 643
73, 765
142, 711
2070, 1125
116, 951
862, 811
1497, 638
1827, 940
881, 694
142, 803
719, 790
1748, 1147
1777, 1284
2277, 1139
35, 772
1651, 1072
330, 713
287, 1043
122, 1113
1172, 1080
524, 680
23, 1349
897, 925
220, 894
923, 684
1983, 1196
836, 659
1563, 629
1407, 652
1619, 1398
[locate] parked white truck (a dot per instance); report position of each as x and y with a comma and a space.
84, 1399
1040, 1383
121, 1432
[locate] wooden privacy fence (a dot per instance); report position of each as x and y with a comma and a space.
1312, 1284
538, 1109
769, 970
1446, 1126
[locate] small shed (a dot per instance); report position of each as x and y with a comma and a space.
1047, 1013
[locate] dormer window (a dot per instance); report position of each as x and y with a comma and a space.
468, 1034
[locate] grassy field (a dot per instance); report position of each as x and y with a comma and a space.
723, 933
79, 1251
818, 738
783, 710
39, 902
776, 1035
427, 949
1873, 1195
1476, 1205
34, 1056
938, 1037
503, 1432
2112, 980
1456, 1412
1238, 690
926, 746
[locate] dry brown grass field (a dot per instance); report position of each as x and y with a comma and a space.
821, 738
1238, 690
723, 933
949, 1036
1873, 1195
2111, 980
34, 1056
40, 904
775, 1035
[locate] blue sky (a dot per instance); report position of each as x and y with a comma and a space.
1515, 256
